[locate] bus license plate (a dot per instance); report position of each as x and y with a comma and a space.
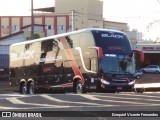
119, 88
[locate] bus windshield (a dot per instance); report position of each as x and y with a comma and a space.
112, 42
117, 52
117, 64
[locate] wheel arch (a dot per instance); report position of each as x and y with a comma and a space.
22, 81
76, 79
30, 80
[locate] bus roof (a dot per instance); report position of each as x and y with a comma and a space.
64, 34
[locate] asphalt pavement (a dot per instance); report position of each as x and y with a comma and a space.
5, 87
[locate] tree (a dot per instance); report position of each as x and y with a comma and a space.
36, 36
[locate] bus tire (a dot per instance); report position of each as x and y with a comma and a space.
31, 88
78, 87
23, 88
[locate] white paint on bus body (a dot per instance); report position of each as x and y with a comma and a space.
22, 55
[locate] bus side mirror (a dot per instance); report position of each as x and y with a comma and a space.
141, 54
99, 51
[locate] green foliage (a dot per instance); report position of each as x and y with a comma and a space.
36, 36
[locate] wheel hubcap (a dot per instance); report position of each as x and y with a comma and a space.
79, 88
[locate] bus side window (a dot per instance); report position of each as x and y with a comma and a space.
55, 45
86, 39
73, 40
69, 41
27, 46
47, 45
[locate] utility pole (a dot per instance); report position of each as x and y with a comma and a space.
82, 18
73, 20
32, 21
103, 22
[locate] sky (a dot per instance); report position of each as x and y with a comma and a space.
137, 13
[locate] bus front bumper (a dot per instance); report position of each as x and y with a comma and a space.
111, 86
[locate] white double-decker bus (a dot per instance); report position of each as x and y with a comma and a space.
80, 61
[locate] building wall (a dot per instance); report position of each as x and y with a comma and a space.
132, 35
61, 25
38, 20
95, 24
116, 25
26, 21
85, 11
13, 24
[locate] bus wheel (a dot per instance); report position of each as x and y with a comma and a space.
23, 88
78, 87
31, 88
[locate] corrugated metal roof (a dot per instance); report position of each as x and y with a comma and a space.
48, 9
4, 60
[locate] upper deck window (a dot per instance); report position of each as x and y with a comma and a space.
80, 39
49, 45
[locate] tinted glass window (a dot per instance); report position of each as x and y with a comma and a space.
80, 39
49, 45
118, 64
112, 42
73, 40
154, 67
86, 39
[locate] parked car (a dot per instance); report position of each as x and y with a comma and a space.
152, 69
138, 74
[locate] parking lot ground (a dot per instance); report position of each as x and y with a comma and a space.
149, 78
4, 87
149, 82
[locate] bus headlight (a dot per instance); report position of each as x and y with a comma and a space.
104, 81
131, 83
